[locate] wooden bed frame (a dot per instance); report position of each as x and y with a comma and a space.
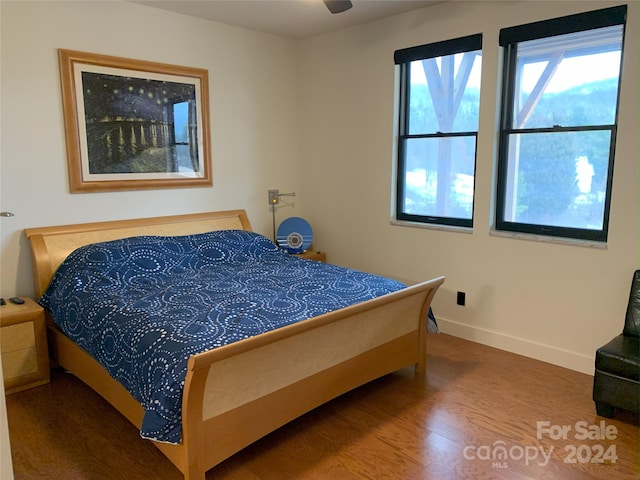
236, 394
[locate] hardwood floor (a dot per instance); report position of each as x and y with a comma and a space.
441, 425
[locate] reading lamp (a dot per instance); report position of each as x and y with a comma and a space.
274, 199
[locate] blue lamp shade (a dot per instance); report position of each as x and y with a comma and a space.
294, 235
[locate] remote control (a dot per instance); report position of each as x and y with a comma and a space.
16, 300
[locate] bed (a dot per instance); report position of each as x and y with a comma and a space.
235, 393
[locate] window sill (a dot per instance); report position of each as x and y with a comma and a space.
430, 226
505, 234
548, 239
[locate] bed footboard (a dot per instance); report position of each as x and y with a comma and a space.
235, 395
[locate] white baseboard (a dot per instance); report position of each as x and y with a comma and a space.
556, 356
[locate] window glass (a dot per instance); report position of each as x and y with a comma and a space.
567, 80
558, 179
435, 159
456, 106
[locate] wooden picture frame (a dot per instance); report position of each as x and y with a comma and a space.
133, 124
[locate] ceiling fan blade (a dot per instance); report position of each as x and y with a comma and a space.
338, 6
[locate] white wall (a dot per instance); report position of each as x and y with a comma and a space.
253, 111
550, 301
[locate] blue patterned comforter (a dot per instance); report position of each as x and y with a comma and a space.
142, 306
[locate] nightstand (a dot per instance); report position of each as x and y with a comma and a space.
23, 346
313, 255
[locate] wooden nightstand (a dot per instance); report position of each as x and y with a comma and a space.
23, 345
313, 255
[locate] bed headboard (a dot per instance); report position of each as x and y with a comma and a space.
51, 245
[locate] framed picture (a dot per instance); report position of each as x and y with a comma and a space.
132, 124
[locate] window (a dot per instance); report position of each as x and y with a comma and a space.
558, 125
180, 112
438, 127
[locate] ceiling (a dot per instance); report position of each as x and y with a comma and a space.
290, 18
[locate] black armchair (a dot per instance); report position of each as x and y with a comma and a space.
616, 383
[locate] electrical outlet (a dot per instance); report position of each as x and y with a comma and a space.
461, 298
274, 197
